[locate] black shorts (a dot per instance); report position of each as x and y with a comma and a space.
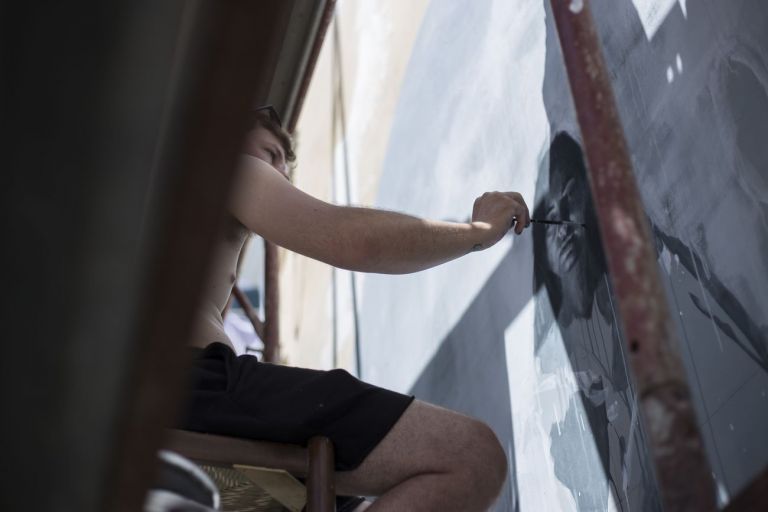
241, 397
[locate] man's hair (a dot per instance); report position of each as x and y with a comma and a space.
263, 119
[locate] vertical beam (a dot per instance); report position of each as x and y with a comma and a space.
321, 491
271, 303
681, 465
83, 91
226, 55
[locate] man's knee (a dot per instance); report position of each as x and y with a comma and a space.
471, 450
485, 461
436, 442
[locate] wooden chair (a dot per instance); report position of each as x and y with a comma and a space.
272, 467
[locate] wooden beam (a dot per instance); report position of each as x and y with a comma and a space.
227, 54
271, 302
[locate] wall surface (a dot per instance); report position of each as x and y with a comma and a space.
525, 335
447, 100
375, 42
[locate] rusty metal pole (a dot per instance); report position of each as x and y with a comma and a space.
271, 303
681, 465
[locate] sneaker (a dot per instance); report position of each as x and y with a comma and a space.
181, 486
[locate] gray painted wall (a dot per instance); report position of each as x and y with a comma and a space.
525, 336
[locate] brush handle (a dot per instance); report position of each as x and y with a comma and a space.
559, 222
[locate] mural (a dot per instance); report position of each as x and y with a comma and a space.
576, 330
526, 337
694, 105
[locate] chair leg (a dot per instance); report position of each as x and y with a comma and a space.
321, 488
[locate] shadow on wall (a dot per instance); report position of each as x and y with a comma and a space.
469, 371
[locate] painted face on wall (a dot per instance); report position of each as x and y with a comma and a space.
573, 257
565, 242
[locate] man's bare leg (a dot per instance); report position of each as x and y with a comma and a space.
433, 459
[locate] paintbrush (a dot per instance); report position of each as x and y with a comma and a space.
560, 222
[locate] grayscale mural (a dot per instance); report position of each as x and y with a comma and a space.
576, 329
695, 109
526, 337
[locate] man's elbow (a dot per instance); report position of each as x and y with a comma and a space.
359, 255
370, 257
360, 247
365, 252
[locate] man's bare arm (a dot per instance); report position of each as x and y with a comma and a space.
361, 239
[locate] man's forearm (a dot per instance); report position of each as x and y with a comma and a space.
371, 240
363, 239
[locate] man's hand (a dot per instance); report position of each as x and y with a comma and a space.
495, 213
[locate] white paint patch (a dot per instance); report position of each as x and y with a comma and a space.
576, 6
653, 13
539, 403
679, 63
722, 493
666, 260
537, 483
670, 75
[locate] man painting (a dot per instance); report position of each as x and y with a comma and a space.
409, 454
